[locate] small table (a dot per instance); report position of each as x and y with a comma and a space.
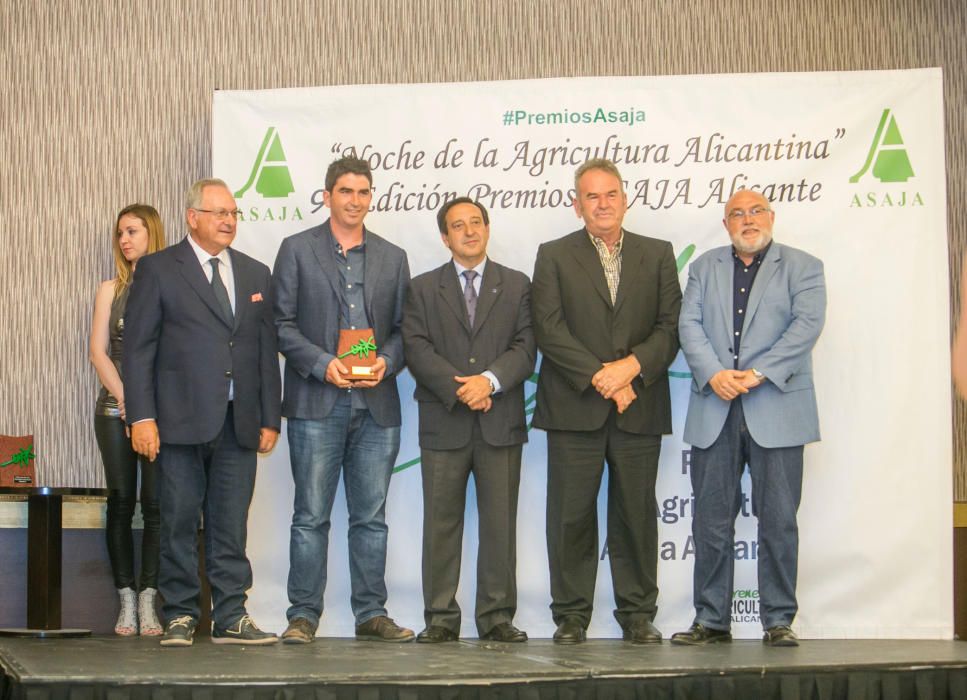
44, 562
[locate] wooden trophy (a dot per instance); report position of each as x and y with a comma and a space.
357, 351
17, 461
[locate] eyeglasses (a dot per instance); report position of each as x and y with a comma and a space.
222, 214
737, 214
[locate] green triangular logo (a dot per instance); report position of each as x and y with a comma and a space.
270, 174
887, 155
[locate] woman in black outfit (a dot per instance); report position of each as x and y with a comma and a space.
137, 232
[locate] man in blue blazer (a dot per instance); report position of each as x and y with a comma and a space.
202, 390
751, 314
340, 276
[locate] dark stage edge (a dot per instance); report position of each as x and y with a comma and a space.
343, 669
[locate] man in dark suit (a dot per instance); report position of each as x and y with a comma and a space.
333, 277
202, 388
469, 345
605, 308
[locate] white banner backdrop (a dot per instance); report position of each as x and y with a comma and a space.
854, 166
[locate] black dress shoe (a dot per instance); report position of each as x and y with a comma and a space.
505, 632
570, 631
434, 634
642, 632
780, 636
699, 635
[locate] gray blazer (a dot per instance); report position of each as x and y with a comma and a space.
440, 344
305, 284
787, 309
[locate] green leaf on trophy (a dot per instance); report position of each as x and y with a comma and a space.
22, 457
361, 349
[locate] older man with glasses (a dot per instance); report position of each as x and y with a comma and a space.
203, 393
751, 314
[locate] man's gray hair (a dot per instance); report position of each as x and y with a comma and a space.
196, 190
597, 164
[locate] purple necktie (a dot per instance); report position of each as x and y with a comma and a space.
470, 294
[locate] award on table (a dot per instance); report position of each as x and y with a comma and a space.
357, 351
17, 461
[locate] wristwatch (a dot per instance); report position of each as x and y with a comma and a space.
758, 375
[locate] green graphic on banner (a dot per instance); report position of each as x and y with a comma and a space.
887, 153
270, 174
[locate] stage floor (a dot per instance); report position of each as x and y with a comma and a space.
341, 668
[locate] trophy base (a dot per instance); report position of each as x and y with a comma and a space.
359, 374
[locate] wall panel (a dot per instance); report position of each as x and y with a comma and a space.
106, 102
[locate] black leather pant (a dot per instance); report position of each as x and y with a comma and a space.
121, 471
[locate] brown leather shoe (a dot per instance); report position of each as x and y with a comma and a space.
505, 632
434, 634
642, 632
299, 631
383, 629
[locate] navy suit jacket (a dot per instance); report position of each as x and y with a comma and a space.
440, 344
180, 354
307, 299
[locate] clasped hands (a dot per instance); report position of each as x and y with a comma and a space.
613, 381
729, 383
475, 391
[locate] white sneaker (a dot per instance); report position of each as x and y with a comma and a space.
148, 613
127, 624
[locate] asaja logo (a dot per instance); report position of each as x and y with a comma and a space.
890, 164
891, 161
271, 178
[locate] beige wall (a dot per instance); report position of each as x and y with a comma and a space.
107, 103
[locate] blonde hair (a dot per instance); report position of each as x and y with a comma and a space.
156, 241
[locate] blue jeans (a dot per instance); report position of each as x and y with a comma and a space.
776, 490
217, 479
348, 440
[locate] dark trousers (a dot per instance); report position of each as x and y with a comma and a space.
776, 490
575, 463
496, 476
217, 479
121, 473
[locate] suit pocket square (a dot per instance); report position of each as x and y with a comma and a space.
257, 297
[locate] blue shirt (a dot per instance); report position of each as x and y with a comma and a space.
352, 303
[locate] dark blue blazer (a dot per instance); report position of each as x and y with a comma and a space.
180, 354
307, 298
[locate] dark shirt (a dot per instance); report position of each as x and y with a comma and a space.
352, 304
107, 404
742, 279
